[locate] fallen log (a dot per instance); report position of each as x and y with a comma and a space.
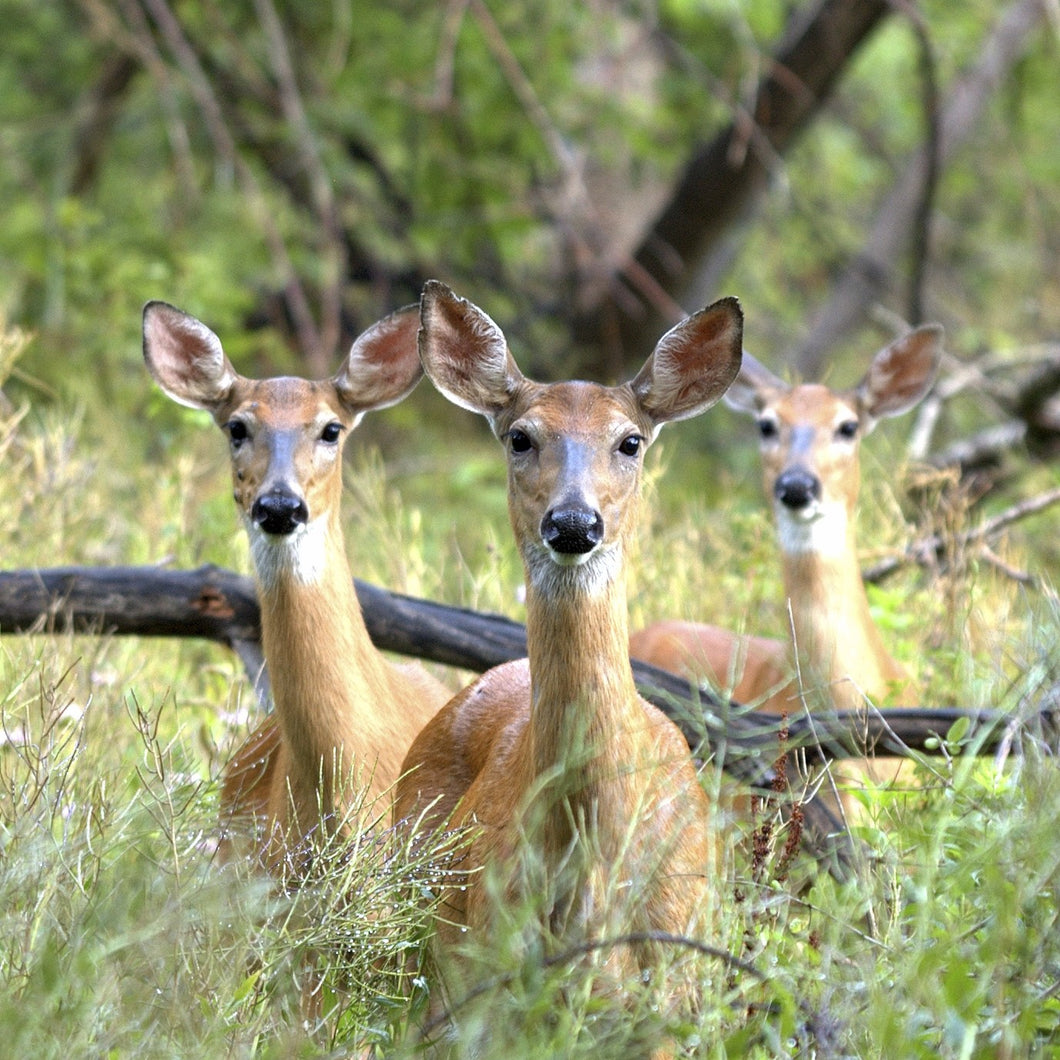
220, 605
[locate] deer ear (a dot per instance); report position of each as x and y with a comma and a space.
185, 358
692, 365
754, 379
383, 365
465, 353
901, 373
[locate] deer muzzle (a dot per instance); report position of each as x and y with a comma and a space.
797, 488
279, 512
572, 530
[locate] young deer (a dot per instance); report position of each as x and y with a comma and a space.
344, 715
557, 756
809, 437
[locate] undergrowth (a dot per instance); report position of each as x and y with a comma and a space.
121, 935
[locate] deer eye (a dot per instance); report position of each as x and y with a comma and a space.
630, 445
519, 441
237, 431
847, 430
767, 428
331, 433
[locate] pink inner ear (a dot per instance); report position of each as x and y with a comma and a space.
445, 346
465, 353
185, 357
901, 374
383, 365
693, 364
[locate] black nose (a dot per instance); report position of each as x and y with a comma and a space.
279, 513
797, 488
572, 531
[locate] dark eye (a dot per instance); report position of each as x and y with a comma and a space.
630, 446
331, 433
237, 431
847, 429
767, 428
519, 441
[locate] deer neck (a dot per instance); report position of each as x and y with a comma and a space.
836, 640
584, 700
327, 678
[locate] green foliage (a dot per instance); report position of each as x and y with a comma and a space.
455, 142
120, 934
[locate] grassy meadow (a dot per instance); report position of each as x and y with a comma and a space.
121, 935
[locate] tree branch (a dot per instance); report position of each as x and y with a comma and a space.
929, 551
727, 177
102, 109
921, 233
221, 606
224, 143
869, 273
320, 186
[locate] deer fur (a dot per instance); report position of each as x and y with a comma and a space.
576, 790
810, 440
344, 715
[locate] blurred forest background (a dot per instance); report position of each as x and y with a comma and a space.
588, 173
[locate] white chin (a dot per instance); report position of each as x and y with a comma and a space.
300, 555
570, 559
562, 572
807, 514
817, 528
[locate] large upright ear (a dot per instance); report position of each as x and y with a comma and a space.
464, 352
693, 364
185, 358
901, 373
753, 380
383, 364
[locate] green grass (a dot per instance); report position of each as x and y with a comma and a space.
122, 935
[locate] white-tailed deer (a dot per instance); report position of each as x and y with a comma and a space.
566, 774
344, 715
809, 438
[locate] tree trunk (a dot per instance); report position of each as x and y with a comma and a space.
871, 272
725, 179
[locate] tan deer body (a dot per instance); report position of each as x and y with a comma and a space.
809, 438
578, 789
344, 715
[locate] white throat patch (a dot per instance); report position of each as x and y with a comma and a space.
591, 573
820, 529
300, 555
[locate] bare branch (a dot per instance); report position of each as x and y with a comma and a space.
225, 145
445, 63
521, 85
868, 273
928, 551
1020, 386
137, 44
921, 233
101, 113
319, 183
221, 606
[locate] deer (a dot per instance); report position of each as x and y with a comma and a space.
344, 715
809, 439
572, 785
